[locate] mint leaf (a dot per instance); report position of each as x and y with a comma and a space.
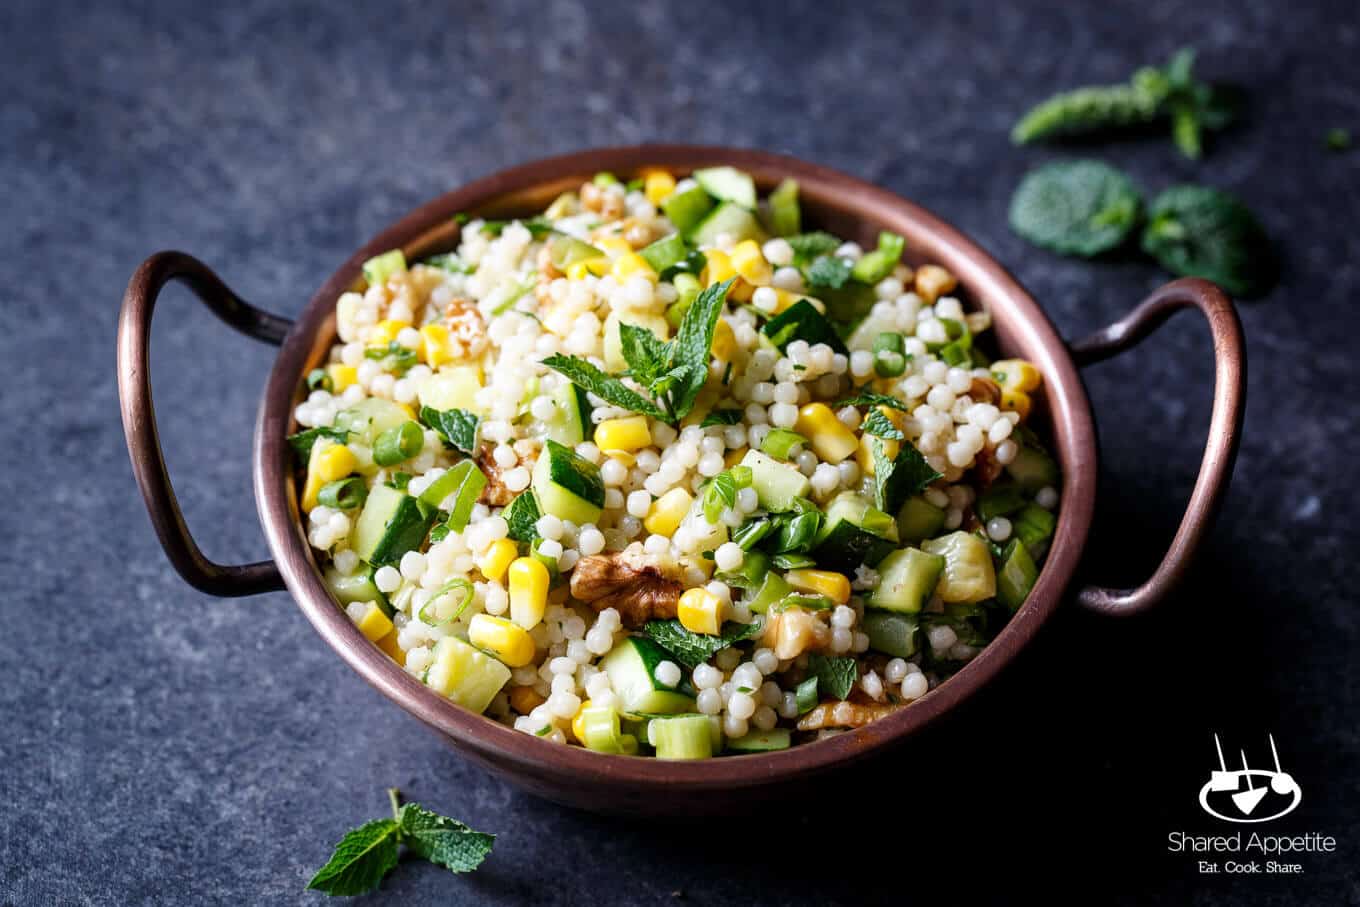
394, 357
802, 321
693, 649
806, 695
692, 345
835, 675
722, 417
897, 479
866, 397
810, 246
522, 516
457, 427
829, 272
880, 425
1075, 207
1202, 232
442, 840
361, 859
302, 441
591, 379
646, 354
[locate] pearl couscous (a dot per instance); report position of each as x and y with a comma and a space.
662, 471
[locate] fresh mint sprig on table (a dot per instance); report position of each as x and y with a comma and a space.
1154, 94
673, 372
365, 855
1075, 207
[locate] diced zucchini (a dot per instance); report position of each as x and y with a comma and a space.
786, 218
906, 580
391, 524
761, 741
681, 737
465, 674
968, 572
776, 484
1033, 469
571, 415
1017, 575
919, 519
665, 252
686, 209
734, 220
452, 387
371, 417
853, 533
601, 732
772, 589
631, 666
1034, 526
357, 587
568, 486
892, 634
728, 184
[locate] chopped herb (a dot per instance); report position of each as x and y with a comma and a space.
808, 247
876, 423
802, 321
450, 263
522, 516
835, 675
828, 272
866, 397
693, 263
399, 480
806, 695
792, 561
748, 534
343, 494
1203, 232
537, 226
456, 427
1338, 139
591, 379
693, 649
646, 354
722, 417
744, 690
721, 491
543, 731
393, 358
1075, 207
319, 379
897, 479
302, 441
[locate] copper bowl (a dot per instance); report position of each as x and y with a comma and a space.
835, 201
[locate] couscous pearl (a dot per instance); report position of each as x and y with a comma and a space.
387, 579
667, 673
639, 502
765, 660
765, 299
549, 527
563, 683
741, 705
915, 686
412, 565
564, 705
1005, 454
999, 528
788, 706
346, 561
841, 640
1047, 497
895, 670
707, 677
843, 616
599, 640
765, 718
778, 252
734, 726
709, 701
516, 479
729, 556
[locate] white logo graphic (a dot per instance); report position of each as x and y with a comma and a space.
1237, 795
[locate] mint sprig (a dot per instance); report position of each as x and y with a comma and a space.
901, 477
693, 649
365, 855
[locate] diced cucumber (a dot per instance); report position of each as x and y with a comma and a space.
761, 741
565, 251
452, 387
776, 484
734, 220
465, 674
380, 267
878, 264
772, 589
601, 732
1017, 575
968, 574
853, 533
665, 252
391, 524
892, 634
357, 587
919, 519
631, 666
1033, 468
371, 417
786, 218
571, 415
1034, 526
728, 184
686, 209
906, 580
568, 486
681, 737
1002, 499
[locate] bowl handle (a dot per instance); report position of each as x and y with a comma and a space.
1225, 426
139, 416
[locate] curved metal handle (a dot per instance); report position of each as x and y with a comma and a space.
1225, 426
139, 416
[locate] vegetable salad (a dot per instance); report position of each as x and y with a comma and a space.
665, 470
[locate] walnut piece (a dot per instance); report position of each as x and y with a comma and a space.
794, 631
467, 328
843, 714
639, 585
495, 494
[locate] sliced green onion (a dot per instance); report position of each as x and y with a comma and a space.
343, 494
803, 600
793, 561
742, 475
798, 532
399, 480
319, 379
398, 444
468, 490
439, 533
749, 534
889, 364
780, 442
427, 616
889, 342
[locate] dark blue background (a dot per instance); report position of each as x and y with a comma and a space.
160, 746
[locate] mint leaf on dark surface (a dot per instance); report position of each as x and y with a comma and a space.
362, 858
442, 840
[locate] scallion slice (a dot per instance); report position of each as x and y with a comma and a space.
343, 494
398, 444
458, 583
780, 442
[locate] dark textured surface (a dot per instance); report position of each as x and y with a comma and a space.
160, 746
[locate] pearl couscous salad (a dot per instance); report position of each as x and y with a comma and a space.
664, 471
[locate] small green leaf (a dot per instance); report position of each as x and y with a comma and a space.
457, 427
692, 346
1075, 207
1199, 231
829, 272
302, 441
646, 354
442, 840
693, 649
808, 247
864, 397
722, 417
897, 479
362, 858
876, 423
836, 676
591, 379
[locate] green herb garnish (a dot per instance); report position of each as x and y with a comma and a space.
829, 272
456, 427
393, 358
835, 675
876, 423
522, 516
897, 479
1075, 207
722, 417
693, 649
302, 441
865, 397
808, 247
1203, 232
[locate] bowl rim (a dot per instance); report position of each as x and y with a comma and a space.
1016, 315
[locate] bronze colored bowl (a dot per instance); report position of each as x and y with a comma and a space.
835, 201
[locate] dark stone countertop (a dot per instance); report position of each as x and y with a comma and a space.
160, 746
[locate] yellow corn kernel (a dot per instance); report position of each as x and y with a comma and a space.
1016, 375
342, 376
829, 437
724, 341
1016, 401
496, 559
389, 645
719, 267
750, 263
657, 185
630, 263
335, 462
374, 624
385, 331
701, 611
834, 586
864, 454
932, 282
578, 724
525, 699
528, 581
667, 512
503, 638
435, 347
579, 270
614, 246
626, 434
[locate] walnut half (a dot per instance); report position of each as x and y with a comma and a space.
843, 714
639, 585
